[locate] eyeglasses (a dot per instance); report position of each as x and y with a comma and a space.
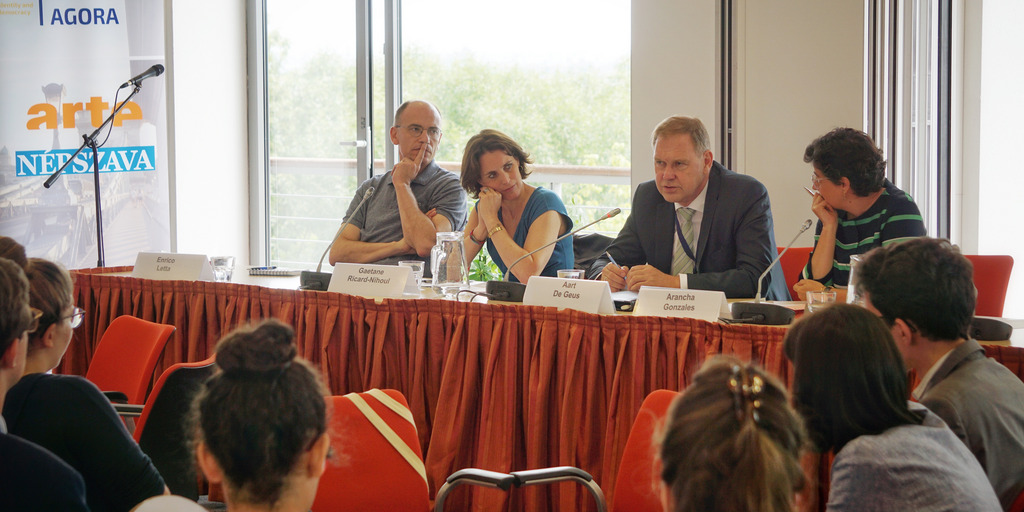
815, 179
76, 317
416, 130
34, 323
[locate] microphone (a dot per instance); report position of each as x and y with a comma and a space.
154, 70
513, 292
767, 314
319, 280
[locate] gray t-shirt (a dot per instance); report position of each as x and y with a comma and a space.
379, 221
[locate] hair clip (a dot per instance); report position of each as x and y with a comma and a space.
746, 391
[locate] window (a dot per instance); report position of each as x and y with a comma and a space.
553, 75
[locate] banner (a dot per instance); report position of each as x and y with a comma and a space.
61, 65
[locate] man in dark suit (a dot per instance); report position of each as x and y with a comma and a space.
697, 225
923, 288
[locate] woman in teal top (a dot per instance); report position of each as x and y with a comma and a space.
512, 217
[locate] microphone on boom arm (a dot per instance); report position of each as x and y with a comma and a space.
763, 313
508, 291
310, 280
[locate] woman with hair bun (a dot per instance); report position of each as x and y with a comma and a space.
262, 421
732, 443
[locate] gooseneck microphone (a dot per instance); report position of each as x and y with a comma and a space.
154, 70
767, 314
513, 292
319, 280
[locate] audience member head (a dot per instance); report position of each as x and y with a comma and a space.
417, 128
732, 442
485, 142
851, 154
12, 250
925, 283
51, 292
848, 378
16, 320
682, 125
262, 420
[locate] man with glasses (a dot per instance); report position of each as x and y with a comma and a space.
31, 478
923, 288
696, 225
410, 204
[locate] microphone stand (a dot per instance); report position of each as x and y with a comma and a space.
508, 291
90, 142
317, 280
763, 313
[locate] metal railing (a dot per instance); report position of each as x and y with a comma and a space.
298, 239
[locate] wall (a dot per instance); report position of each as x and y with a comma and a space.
209, 135
799, 73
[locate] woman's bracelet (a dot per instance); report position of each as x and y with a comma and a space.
494, 230
475, 241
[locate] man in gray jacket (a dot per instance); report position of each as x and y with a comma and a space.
923, 289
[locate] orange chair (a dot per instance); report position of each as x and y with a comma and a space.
991, 278
636, 486
161, 428
1018, 504
793, 263
377, 462
126, 356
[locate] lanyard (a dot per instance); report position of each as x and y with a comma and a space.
682, 240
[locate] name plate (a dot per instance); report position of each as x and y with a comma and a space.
579, 294
369, 281
168, 266
702, 304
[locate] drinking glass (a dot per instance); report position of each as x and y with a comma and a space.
223, 267
820, 299
417, 269
570, 273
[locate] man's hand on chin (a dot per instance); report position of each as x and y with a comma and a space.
407, 168
646, 275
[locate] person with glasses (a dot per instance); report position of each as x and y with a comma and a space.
31, 478
512, 217
857, 207
924, 290
69, 415
409, 204
732, 443
850, 385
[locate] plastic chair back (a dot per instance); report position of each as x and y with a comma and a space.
1018, 504
126, 356
636, 486
367, 471
161, 429
991, 278
793, 263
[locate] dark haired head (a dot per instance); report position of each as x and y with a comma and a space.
732, 442
485, 142
851, 154
15, 315
848, 377
12, 250
926, 282
51, 293
261, 411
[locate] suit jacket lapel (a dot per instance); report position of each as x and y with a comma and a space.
968, 351
710, 204
664, 245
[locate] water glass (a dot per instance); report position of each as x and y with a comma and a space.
820, 299
223, 267
417, 269
570, 273
852, 293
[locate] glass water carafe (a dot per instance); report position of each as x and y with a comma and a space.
448, 265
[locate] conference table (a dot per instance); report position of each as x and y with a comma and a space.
502, 387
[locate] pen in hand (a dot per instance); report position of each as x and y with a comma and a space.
609, 256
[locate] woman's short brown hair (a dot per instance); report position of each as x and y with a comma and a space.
485, 142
